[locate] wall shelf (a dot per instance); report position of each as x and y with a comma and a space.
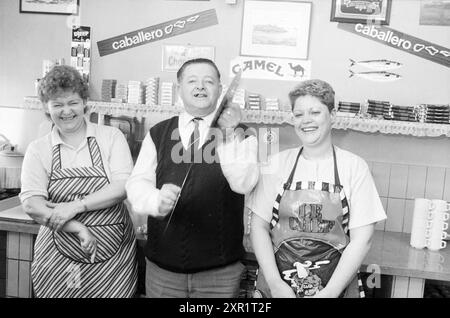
268, 117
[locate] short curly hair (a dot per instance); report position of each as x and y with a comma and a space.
315, 87
62, 78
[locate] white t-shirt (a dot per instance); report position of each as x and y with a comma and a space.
354, 174
36, 165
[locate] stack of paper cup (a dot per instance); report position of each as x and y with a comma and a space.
422, 214
436, 231
429, 224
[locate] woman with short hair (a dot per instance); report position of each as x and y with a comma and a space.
73, 184
314, 208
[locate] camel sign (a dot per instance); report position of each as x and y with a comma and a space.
271, 69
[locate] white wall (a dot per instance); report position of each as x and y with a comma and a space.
27, 39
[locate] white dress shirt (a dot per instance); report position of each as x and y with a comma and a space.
238, 160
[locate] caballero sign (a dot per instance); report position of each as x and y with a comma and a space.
401, 41
157, 32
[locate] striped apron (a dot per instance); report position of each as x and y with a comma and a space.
309, 231
60, 268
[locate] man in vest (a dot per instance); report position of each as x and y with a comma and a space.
190, 180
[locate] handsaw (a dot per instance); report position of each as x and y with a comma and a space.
228, 96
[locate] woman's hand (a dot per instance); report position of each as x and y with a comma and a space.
281, 289
63, 212
88, 242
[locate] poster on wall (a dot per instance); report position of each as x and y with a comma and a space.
434, 12
157, 32
276, 29
80, 52
355, 11
271, 68
401, 41
173, 56
66, 7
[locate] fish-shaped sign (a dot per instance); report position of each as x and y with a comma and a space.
381, 65
379, 76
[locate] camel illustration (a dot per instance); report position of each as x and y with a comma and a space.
297, 68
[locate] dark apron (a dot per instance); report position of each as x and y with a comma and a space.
309, 231
60, 267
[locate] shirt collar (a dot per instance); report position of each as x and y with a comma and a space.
56, 137
186, 118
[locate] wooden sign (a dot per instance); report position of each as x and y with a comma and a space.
401, 41
271, 69
157, 32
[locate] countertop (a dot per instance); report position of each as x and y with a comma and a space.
395, 256
14, 219
390, 253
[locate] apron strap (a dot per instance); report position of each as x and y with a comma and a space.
345, 221
287, 185
96, 156
337, 181
56, 158
94, 152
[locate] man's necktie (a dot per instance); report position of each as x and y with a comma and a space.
194, 141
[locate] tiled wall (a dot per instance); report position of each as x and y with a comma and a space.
398, 185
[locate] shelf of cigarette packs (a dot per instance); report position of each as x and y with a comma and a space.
116, 108
386, 118
360, 121
143, 110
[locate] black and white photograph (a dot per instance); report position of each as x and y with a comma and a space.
236, 152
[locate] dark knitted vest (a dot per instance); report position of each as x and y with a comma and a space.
206, 229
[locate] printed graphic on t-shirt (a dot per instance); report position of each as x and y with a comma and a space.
309, 219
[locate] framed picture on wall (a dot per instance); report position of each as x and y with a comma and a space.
434, 12
355, 11
67, 7
173, 56
276, 29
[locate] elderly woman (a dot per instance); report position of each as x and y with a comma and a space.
314, 208
73, 184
